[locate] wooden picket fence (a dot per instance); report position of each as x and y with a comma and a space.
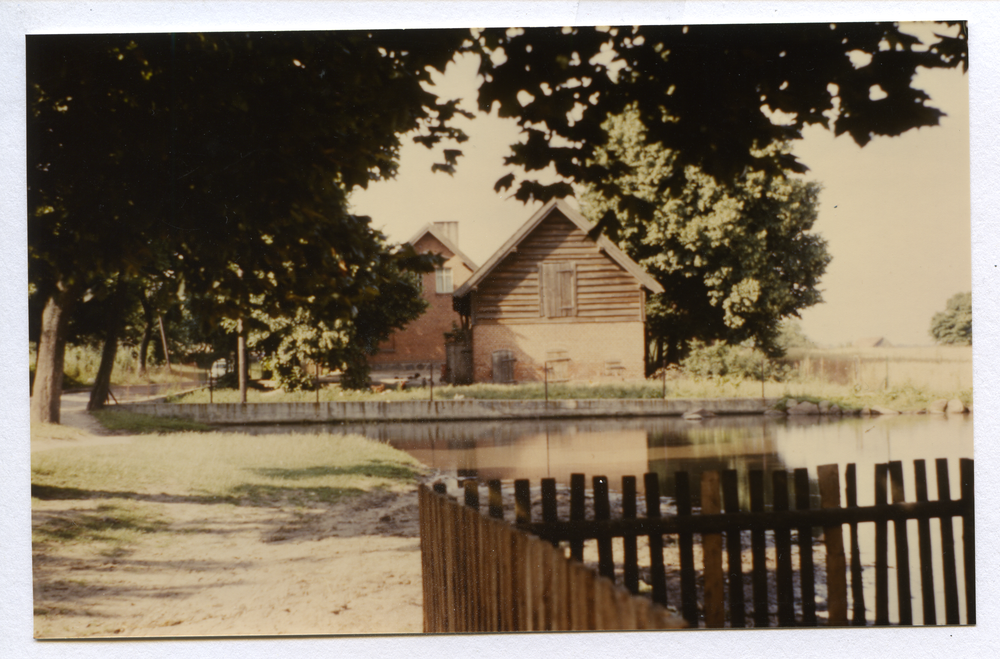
483, 575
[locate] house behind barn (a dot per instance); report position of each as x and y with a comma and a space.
553, 298
419, 347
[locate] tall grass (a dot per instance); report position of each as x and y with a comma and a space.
83, 361
916, 377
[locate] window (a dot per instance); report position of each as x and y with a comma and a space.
558, 289
443, 283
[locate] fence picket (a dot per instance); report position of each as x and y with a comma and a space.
734, 551
656, 569
630, 569
758, 548
783, 549
807, 575
924, 535
496, 498
836, 568
968, 473
624, 604
685, 540
711, 547
549, 511
522, 584
902, 547
947, 547
881, 549
602, 512
505, 551
522, 502
857, 584
492, 583
471, 487
577, 511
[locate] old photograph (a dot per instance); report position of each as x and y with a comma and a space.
505, 329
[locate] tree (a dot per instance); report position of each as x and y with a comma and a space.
953, 326
713, 95
734, 257
235, 153
345, 343
790, 335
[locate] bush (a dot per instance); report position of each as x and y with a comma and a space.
727, 361
289, 376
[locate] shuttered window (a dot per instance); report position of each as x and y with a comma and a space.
558, 289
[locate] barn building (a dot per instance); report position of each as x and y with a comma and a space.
552, 298
419, 347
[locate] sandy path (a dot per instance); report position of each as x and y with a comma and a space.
222, 570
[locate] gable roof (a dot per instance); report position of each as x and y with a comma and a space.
602, 242
444, 240
872, 342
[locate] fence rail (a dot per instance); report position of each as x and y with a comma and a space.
720, 524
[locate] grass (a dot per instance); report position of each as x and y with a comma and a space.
82, 361
141, 424
232, 468
904, 396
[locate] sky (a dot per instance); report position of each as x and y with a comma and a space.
895, 214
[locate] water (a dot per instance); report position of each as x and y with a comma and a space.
617, 447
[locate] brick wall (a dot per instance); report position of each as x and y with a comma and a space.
422, 341
589, 347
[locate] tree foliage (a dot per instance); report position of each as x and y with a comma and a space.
734, 257
707, 93
953, 326
233, 154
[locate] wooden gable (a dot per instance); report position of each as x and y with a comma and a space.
555, 273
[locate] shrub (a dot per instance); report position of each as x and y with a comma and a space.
727, 361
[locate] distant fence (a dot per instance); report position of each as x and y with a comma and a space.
458, 544
482, 575
940, 367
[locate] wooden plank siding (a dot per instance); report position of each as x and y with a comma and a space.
604, 292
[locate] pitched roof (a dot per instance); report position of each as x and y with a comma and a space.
872, 342
444, 240
605, 245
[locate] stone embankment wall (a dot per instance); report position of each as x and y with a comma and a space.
445, 410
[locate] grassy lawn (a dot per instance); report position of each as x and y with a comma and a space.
224, 467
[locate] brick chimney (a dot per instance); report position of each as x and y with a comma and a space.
449, 230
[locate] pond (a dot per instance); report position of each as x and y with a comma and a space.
618, 447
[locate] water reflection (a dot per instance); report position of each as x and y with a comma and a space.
665, 446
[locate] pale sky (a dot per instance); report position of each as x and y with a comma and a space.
896, 213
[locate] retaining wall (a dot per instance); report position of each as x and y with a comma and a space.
443, 410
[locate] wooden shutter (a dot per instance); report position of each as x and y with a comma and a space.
557, 289
503, 366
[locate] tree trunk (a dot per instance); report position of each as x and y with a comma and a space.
241, 360
47, 389
147, 335
163, 338
102, 382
